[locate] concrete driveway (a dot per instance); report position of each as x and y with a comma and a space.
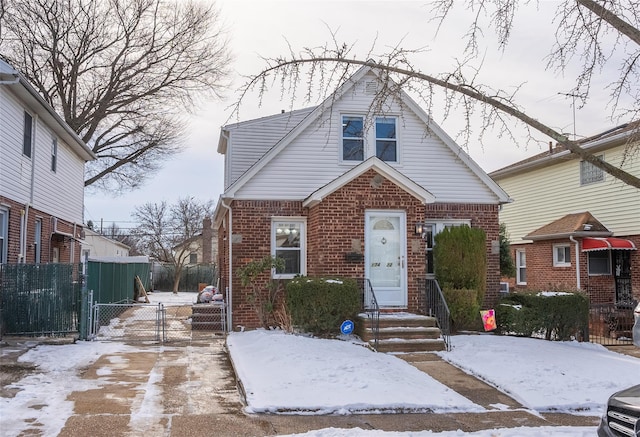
189, 389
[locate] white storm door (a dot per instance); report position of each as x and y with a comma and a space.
385, 256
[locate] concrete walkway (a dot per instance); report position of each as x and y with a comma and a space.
190, 390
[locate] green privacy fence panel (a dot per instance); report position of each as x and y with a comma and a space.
114, 282
192, 275
39, 299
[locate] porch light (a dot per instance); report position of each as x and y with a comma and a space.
419, 228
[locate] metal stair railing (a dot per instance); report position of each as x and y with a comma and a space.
434, 304
370, 306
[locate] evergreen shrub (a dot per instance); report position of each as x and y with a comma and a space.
320, 305
553, 315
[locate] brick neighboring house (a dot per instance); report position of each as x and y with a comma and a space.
41, 177
340, 190
573, 226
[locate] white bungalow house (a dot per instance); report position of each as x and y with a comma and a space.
41, 177
340, 189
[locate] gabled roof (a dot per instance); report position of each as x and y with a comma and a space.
11, 77
602, 141
383, 169
581, 224
325, 106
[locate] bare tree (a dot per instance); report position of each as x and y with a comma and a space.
165, 231
585, 28
121, 72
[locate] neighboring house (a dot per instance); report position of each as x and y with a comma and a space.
341, 190
573, 226
41, 177
201, 248
96, 245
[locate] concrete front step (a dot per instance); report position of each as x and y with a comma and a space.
207, 317
403, 332
408, 346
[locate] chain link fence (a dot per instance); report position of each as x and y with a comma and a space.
136, 322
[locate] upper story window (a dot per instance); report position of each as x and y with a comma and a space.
357, 142
288, 242
27, 136
386, 139
589, 173
561, 255
54, 154
352, 138
193, 258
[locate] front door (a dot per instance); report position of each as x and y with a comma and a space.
385, 257
622, 274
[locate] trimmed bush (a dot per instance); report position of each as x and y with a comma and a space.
320, 305
553, 315
464, 307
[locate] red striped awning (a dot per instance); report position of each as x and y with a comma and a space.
608, 243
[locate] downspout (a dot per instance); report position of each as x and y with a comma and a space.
25, 217
229, 290
577, 260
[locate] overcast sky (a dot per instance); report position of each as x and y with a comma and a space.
265, 28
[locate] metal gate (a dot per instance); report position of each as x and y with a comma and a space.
610, 324
159, 323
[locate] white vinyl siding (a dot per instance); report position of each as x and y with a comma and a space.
312, 160
60, 194
252, 139
547, 194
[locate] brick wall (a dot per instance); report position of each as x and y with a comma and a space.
335, 228
542, 275
48, 240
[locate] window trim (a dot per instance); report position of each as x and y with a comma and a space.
27, 144
343, 138
520, 266
54, 154
592, 168
395, 139
436, 227
4, 235
556, 258
37, 241
303, 244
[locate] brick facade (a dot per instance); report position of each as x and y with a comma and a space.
61, 241
542, 275
335, 228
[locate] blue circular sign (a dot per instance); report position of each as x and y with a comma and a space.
347, 327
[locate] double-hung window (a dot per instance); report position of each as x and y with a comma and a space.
521, 267
54, 154
288, 241
352, 138
386, 139
4, 233
37, 242
561, 255
27, 135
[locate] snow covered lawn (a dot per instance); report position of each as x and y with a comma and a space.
289, 373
